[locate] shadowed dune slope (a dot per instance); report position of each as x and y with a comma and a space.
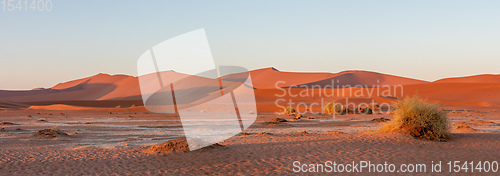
268, 78
364, 79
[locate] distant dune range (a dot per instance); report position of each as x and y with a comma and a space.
486, 78
103, 90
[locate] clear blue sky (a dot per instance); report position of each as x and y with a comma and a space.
419, 39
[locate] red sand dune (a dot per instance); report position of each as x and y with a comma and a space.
364, 79
266, 79
59, 107
98, 87
115, 86
486, 78
473, 94
475, 90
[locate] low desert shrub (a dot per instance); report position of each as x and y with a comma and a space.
333, 108
364, 110
418, 118
289, 110
298, 116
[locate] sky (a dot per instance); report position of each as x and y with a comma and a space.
426, 40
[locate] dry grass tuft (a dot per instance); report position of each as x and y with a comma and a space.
334, 108
298, 116
418, 118
289, 110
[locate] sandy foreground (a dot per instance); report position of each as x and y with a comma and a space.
112, 142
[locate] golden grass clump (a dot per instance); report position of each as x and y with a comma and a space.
418, 118
334, 108
289, 110
298, 116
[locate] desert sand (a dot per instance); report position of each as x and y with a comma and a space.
75, 128
114, 141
